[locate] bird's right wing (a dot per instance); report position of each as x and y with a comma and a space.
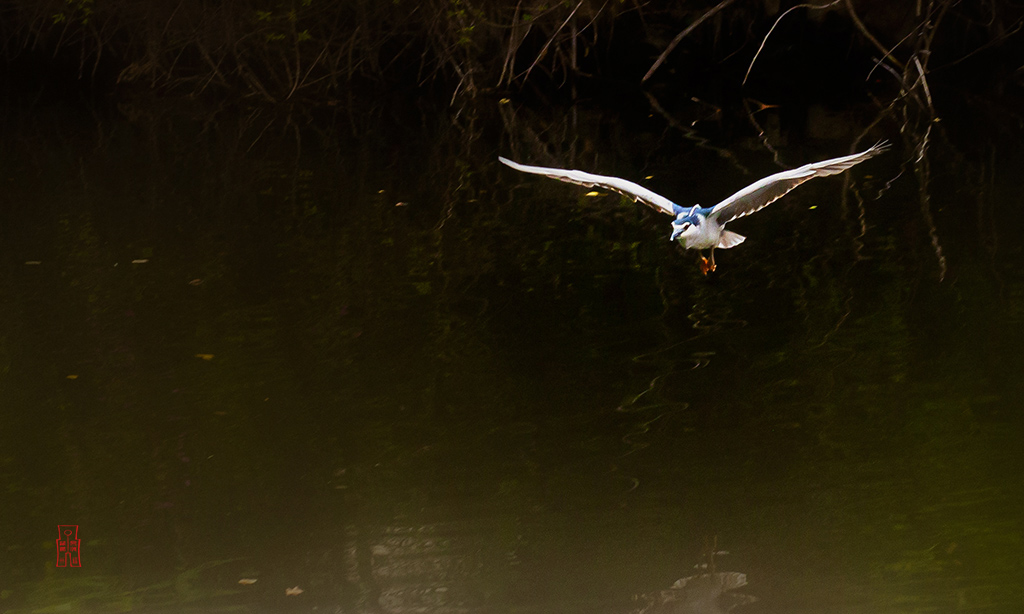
768, 190
627, 188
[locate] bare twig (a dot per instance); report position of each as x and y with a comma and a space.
924, 82
679, 37
544, 49
923, 169
513, 45
867, 34
1017, 28
772, 29
933, 28
891, 49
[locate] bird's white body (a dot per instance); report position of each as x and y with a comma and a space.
704, 227
709, 234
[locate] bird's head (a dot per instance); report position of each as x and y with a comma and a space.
685, 219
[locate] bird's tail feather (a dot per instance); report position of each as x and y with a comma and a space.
730, 239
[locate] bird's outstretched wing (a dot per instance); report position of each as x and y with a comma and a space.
768, 190
626, 188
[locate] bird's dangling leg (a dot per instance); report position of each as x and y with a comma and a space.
707, 265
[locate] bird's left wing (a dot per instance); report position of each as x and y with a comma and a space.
626, 188
768, 190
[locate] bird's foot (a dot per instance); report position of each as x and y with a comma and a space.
706, 265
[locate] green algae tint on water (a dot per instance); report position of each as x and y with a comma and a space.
373, 370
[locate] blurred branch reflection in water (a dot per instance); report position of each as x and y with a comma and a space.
491, 402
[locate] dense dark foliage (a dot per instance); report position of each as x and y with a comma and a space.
316, 50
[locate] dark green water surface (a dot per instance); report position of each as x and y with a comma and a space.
367, 361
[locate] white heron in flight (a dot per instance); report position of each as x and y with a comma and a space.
703, 228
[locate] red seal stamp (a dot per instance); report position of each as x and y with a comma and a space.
69, 547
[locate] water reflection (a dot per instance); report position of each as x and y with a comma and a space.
706, 593
485, 402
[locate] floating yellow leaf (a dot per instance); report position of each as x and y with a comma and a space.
649, 177
813, 207
205, 356
72, 377
504, 101
593, 194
